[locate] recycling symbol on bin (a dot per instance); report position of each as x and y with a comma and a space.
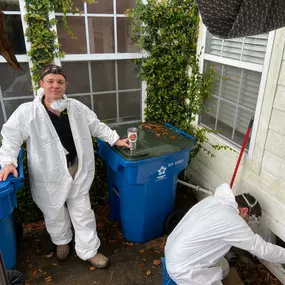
161, 170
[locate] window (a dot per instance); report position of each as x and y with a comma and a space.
98, 64
240, 66
15, 85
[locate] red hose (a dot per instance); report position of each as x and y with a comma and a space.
242, 150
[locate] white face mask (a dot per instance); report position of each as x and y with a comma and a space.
254, 223
59, 105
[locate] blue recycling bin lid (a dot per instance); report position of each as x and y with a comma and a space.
154, 140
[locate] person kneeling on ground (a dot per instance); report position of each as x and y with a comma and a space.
195, 250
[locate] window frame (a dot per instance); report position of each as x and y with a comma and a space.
88, 57
91, 57
263, 69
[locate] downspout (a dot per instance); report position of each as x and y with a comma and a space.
196, 187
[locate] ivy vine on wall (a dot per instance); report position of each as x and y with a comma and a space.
44, 45
168, 30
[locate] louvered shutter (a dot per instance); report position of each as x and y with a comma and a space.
249, 49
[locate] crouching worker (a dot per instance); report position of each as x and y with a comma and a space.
195, 249
59, 132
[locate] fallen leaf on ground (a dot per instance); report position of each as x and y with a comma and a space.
142, 250
91, 267
141, 265
48, 279
148, 272
35, 273
54, 264
49, 255
157, 262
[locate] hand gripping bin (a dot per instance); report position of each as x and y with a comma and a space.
8, 201
142, 182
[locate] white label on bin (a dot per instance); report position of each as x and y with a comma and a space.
161, 173
179, 161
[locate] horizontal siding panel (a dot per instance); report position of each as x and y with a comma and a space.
273, 164
277, 122
276, 144
279, 102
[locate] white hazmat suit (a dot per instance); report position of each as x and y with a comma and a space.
205, 234
51, 183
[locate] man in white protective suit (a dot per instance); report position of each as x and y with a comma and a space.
195, 250
59, 132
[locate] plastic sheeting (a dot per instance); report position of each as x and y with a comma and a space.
240, 18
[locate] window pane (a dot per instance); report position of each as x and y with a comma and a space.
14, 83
208, 116
105, 106
218, 79
123, 5
243, 119
128, 75
230, 83
9, 5
249, 89
125, 43
103, 76
226, 117
130, 105
14, 32
78, 4
232, 48
101, 34
69, 45
12, 105
77, 77
213, 45
101, 6
255, 48
86, 99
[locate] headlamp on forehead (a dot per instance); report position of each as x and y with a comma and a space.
52, 69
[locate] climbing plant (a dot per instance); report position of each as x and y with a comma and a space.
168, 30
43, 39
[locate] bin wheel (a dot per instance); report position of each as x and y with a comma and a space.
173, 219
15, 277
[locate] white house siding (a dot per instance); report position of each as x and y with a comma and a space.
263, 175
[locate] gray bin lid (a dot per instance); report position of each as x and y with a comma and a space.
153, 140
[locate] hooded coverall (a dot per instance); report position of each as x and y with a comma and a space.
205, 234
50, 181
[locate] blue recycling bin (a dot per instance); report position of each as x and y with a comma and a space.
166, 280
142, 182
8, 201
